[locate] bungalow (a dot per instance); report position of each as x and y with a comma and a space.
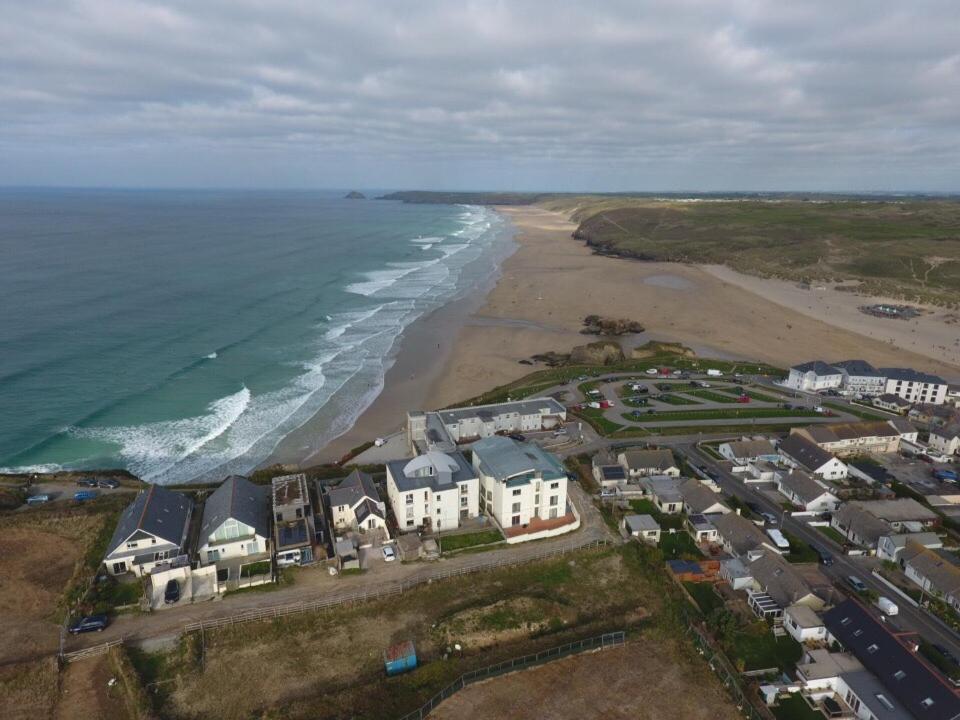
814, 376
355, 505
806, 492
803, 624
932, 572
915, 386
642, 526
780, 580
740, 537
701, 529
665, 493
891, 546
892, 403
903, 514
859, 526
152, 530
609, 476
236, 522
697, 499
742, 452
433, 491
642, 463
798, 451
946, 439
853, 438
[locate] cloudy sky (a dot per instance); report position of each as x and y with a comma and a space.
669, 94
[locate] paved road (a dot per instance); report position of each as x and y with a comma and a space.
910, 618
314, 584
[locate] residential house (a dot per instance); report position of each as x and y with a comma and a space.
781, 581
803, 624
641, 463
607, 471
859, 526
903, 514
642, 526
293, 522
355, 504
235, 522
932, 572
819, 670
701, 529
734, 571
665, 493
892, 403
915, 386
152, 530
798, 451
433, 492
814, 376
890, 547
740, 537
806, 492
860, 377
945, 439
904, 678
698, 499
907, 430
742, 452
761, 471
933, 415
843, 439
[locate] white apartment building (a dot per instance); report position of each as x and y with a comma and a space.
915, 386
860, 377
434, 491
813, 376
519, 481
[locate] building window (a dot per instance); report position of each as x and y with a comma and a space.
554, 486
516, 508
131, 545
410, 499
409, 523
553, 500
463, 502
515, 520
463, 489
516, 493
438, 511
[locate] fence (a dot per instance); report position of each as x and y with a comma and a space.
388, 590
90, 651
544, 656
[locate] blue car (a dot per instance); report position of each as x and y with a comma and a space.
90, 623
84, 495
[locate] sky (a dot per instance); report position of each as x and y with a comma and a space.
555, 96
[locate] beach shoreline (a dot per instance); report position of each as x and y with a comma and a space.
545, 288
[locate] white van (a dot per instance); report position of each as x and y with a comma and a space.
713, 372
288, 558
779, 539
887, 606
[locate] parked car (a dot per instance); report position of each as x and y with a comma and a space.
85, 495
825, 557
950, 475
90, 623
389, 554
946, 653
38, 499
887, 606
379, 442
856, 583
769, 517
518, 436
171, 593
108, 484
87, 482
743, 399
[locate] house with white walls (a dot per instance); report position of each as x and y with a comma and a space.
433, 492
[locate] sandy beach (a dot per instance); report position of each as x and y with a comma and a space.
552, 282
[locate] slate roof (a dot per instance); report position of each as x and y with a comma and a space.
947, 431
898, 510
911, 375
901, 672
637, 523
850, 431
861, 523
779, 579
751, 448
240, 499
367, 508
943, 575
699, 497
858, 368
659, 459
742, 535
500, 457
817, 366
406, 483
803, 486
807, 454
868, 688
352, 489
158, 511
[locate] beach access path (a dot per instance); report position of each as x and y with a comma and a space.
313, 585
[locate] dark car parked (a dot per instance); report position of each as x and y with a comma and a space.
87, 482
517, 436
108, 484
172, 592
825, 557
90, 623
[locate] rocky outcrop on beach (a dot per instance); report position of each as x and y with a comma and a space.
598, 325
602, 352
660, 348
354, 195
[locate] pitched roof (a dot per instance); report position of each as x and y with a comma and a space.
807, 454
751, 448
817, 366
902, 673
803, 486
741, 534
778, 579
857, 368
850, 431
861, 523
698, 497
947, 431
240, 499
902, 425
367, 508
352, 489
942, 574
156, 510
667, 489
897, 510
659, 459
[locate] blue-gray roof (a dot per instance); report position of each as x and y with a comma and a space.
500, 457
858, 368
406, 483
352, 489
240, 499
160, 512
817, 366
910, 375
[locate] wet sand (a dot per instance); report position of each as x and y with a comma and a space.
552, 282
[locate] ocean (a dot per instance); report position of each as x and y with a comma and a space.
182, 334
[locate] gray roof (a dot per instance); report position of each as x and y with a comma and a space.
902, 425
158, 511
501, 457
803, 486
751, 448
530, 406
947, 431
637, 523
240, 499
862, 523
897, 510
742, 535
807, 454
352, 489
868, 688
655, 459
858, 368
407, 483
911, 375
779, 579
698, 496
667, 489
817, 366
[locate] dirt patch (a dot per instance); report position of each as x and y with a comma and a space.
504, 621
85, 692
38, 562
28, 690
646, 680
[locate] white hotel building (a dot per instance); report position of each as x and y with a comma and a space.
434, 491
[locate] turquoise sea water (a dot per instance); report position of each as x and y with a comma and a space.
182, 334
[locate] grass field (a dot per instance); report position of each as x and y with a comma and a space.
794, 707
907, 249
753, 395
800, 551
676, 400
758, 649
829, 532
706, 597
720, 414
449, 543
711, 396
679, 545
